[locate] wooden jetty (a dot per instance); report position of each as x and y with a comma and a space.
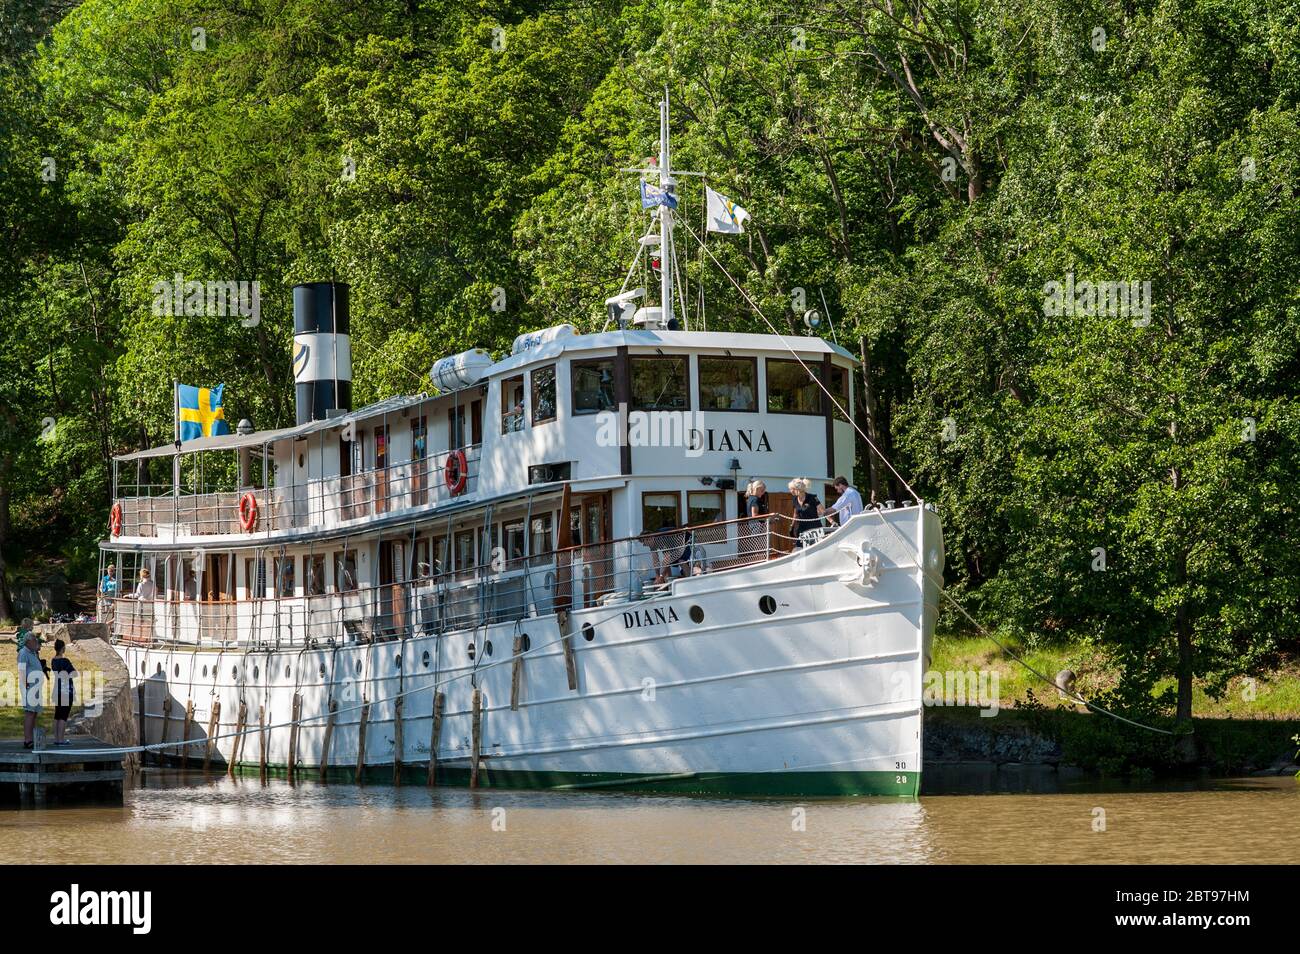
35, 778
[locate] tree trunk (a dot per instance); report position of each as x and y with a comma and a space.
869, 415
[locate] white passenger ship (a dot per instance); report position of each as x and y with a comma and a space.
542, 575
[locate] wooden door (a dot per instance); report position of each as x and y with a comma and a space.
381, 469
392, 589
419, 462
597, 551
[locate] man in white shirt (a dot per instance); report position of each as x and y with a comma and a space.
31, 682
849, 503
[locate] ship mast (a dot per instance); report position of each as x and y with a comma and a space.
669, 186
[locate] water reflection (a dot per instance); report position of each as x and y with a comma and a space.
171, 819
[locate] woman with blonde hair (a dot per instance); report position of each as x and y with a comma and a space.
807, 509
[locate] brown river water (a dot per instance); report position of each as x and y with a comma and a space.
168, 819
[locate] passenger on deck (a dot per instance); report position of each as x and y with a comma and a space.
807, 509
848, 505
146, 589
31, 682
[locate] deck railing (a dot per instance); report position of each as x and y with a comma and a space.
328, 501
607, 573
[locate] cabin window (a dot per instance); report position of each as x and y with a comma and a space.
255, 578
660, 384
703, 506
314, 573
791, 389
514, 540
542, 535
421, 568
543, 380
593, 385
381, 447
345, 571
512, 405
465, 549
284, 577
728, 384
575, 527
840, 388
660, 511
455, 427
439, 547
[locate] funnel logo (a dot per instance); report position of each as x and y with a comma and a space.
301, 353
75, 907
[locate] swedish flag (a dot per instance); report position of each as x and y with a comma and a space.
200, 411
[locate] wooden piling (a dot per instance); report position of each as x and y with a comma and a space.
261, 734
566, 640
167, 716
361, 742
214, 725
435, 735
329, 735
241, 721
477, 738
185, 733
516, 673
293, 736
397, 740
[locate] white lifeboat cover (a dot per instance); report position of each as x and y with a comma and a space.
535, 339
460, 370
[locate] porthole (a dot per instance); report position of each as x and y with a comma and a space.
176, 670
159, 670
397, 662
525, 643
697, 614
234, 673
322, 670
471, 650
301, 460
256, 672
286, 670
767, 605
588, 632
205, 672
142, 667
358, 667
487, 647
425, 659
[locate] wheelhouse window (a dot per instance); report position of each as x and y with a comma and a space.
514, 540
790, 388
543, 380
512, 405
593, 385
541, 535
728, 384
660, 383
660, 511
840, 388
255, 579
703, 506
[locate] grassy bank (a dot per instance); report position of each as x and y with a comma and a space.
1249, 728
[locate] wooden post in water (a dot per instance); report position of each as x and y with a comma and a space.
516, 673
185, 734
167, 715
435, 735
261, 735
139, 699
214, 725
397, 741
361, 742
240, 722
566, 639
293, 736
329, 734
477, 738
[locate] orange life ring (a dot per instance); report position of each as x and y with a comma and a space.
456, 472
247, 512
115, 520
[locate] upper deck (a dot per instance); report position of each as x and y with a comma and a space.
592, 410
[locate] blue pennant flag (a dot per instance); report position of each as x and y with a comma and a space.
201, 414
653, 195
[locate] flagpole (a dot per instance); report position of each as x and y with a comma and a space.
665, 217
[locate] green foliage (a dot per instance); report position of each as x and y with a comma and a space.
929, 169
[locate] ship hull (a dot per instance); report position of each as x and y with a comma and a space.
799, 676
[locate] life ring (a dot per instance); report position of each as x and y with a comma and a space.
115, 520
456, 472
247, 512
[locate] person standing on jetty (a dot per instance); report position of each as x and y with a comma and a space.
64, 691
31, 681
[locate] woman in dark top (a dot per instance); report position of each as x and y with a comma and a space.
64, 690
756, 499
807, 509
